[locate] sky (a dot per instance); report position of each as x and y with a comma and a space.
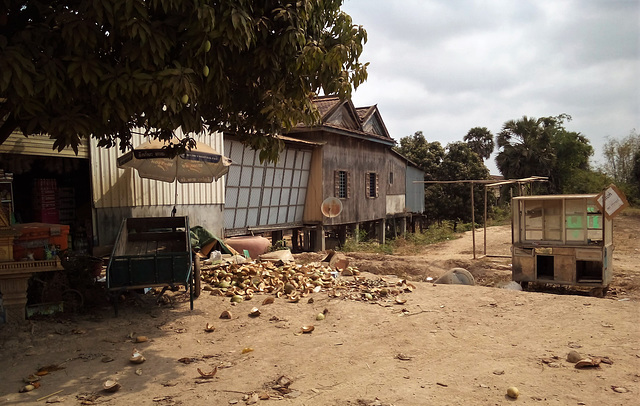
445, 66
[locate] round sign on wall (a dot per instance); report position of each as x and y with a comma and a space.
331, 207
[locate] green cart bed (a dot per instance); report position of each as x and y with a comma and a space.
153, 252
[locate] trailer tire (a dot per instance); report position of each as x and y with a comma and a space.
197, 280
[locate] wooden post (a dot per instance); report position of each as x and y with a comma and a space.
485, 220
473, 223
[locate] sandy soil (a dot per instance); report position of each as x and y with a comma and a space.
447, 345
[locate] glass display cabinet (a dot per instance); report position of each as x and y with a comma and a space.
561, 239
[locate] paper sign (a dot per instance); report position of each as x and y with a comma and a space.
614, 200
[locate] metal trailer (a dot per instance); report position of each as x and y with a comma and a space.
153, 252
561, 239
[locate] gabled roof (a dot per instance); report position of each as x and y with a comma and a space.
341, 116
407, 160
338, 113
372, 120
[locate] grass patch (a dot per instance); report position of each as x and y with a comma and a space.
631, 212
366, 246
409, 244
501, 216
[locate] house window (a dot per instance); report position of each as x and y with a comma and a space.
371, 185
391, 178
342, 186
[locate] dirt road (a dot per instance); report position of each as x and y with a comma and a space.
446, 345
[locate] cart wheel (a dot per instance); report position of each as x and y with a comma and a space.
73, 300
197, 285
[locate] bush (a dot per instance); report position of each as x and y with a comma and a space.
351, 245
404, 245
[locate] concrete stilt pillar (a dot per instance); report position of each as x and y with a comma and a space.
342, 235
306, 240
319, 243
356, 232
295, 244
403, 226
276, 236
381, 231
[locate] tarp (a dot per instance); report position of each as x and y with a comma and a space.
204, 241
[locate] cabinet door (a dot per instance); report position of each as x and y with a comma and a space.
565, 268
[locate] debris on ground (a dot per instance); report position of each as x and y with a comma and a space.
513, 392
456, 276
208, 375
588, 362
574, 356
292, 281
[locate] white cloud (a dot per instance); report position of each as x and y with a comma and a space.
445, 66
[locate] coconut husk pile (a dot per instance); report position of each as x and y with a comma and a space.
293, 281
360, 288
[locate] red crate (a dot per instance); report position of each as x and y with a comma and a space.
51, 218
50, 198
33, 237
45, 184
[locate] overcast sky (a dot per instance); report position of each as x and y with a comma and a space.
445, 66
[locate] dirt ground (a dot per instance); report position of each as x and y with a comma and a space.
446, 345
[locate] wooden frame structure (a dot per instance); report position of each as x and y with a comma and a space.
487, 183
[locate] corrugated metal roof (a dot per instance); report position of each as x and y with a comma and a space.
41, 145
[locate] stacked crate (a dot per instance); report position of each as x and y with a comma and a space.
67, 205
45, 203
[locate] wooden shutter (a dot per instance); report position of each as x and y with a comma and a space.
348, 185
377, 184
367, 183
336, 183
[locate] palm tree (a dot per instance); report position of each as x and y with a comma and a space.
524, 147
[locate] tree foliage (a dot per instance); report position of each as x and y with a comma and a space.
456, 162
572, 151
636, 168
544, 147
94, 68
524, 147
622, 163
621, 158
480, 140
454, 199
427, 155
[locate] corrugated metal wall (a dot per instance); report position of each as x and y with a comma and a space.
263, 195
415, 191
119, 194
114, 187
